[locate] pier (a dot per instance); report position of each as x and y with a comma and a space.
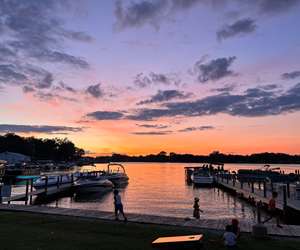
259, 192
7, 194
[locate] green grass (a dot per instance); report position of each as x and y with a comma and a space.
34, 231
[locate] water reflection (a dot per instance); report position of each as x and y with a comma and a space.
92, 197
161, 188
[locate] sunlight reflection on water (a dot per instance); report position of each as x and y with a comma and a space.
160, 189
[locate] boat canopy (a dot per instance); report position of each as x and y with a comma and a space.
119, 167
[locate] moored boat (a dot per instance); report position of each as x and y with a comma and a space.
202, 177
116, 174
53, 180
93, 185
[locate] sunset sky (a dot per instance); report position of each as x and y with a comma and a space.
142, 76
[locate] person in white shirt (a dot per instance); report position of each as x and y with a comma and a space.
118, 205
229, 237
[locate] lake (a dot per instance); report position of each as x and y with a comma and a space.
160, 189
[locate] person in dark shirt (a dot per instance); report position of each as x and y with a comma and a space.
235, 227
272, 210
197, 209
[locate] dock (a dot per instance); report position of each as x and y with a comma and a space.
287, 201
26, 195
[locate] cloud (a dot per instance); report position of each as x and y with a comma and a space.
226, 88
269, 87
46, 82
105, 115
240, 27
95, 90
146, 12
153, 133
48, 96
55, 56
143, 81
184, 4
291, 75
214, 70
9, 73
28, 89
254, 102
201, 128
165, 95
156, 126
63, 86
78, 35
153, 12
35, 30
14, 128
137, 14
276, 6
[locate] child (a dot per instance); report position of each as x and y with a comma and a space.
197, 209
229, 237
235, 227
272, 210
118, 205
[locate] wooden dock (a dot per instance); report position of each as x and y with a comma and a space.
208, 224
286, 201
49, 189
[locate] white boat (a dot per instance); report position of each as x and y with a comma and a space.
116, 174
202, 177
53, 180
93, 185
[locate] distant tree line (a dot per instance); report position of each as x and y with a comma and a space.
41, 149
215, 157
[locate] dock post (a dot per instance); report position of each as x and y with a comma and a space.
227, 179
288, 189
46, 185
222, 177
265, 189
233, 181
57, 183
284, 200
259, 185
31, 190
72, 179
258, 213
26, 192
272, 187
242, 184
1, 194
252, 187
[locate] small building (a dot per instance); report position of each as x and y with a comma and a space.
12, 158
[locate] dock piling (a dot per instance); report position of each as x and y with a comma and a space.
252, 187
46, 185
31, 190
265, 189
26, 192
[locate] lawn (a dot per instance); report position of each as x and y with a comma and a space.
34, 231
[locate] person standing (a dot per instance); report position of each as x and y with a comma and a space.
197, 209
118, 205
272, 210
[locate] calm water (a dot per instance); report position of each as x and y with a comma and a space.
160, 189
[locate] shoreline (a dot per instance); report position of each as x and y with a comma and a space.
218, 225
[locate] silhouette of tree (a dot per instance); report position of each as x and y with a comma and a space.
41, 149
